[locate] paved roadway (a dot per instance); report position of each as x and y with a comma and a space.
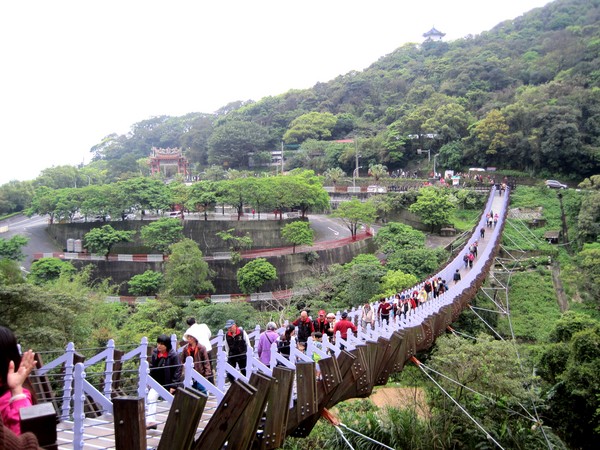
34, 229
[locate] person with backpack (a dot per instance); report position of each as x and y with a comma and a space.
267, 338
285, 342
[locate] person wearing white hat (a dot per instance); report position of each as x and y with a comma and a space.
199, 354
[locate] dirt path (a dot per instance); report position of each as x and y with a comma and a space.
401, 397
563, 303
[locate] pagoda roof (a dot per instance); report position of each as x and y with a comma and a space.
433, 32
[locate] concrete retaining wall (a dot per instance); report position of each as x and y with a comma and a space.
290, 268
264, 233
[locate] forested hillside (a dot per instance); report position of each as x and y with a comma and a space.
524, 96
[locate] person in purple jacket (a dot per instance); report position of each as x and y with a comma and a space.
264, 343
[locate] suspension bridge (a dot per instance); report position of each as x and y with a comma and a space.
99, 397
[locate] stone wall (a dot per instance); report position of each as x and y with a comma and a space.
290, 268
264, 233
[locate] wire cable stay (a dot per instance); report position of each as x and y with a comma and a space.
529, 416
488, 435
338, 425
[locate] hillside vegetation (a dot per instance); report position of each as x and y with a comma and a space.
524, 96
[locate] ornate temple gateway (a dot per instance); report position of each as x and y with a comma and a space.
169, 162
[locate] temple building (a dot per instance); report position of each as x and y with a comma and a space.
433, 35
169, 162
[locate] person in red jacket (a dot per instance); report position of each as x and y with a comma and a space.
343, 326
321, 324
305, 327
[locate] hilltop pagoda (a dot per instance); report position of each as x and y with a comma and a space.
433, 35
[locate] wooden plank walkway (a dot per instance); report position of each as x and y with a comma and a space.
100, 433
353, 373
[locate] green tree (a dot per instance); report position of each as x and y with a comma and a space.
216, 315
362, 279
15, 196
236, 242
571, 366
101, 240
43, 202
254, 274
450, 156
396, 237
395, 281
335, 175
354, 213
147, 283
58, 177
49, 269
298, 233
433, 206
588, 265
203, 197
186, 272
491, 134
259, 193
68, 202
144, 194
13, 248
234, 193
485, 366
10, 272
100, 201
378, 171
161, 233
307, 190
420, 262
313, 125
588, 225
231, 144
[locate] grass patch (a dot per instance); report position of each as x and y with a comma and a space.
465, 219
533, 306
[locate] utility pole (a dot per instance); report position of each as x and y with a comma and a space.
282, 157
356, 167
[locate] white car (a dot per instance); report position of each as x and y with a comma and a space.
175, 214
555, 184
376, 189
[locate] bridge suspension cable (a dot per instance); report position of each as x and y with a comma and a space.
488, 435
505, 310
337, 424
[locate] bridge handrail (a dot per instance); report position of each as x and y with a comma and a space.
77, 388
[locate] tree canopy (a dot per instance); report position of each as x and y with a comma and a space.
101, 240
298, 233
186, 272
161, 233
254, 274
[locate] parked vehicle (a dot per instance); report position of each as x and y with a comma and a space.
377, 189
175, 214
555, 184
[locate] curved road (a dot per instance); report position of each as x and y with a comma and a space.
34, 228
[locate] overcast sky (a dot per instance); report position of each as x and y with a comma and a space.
76, 71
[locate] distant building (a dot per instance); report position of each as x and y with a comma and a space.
168, 161
433, 35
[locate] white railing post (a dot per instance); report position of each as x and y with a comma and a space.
68, 381
78, 408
